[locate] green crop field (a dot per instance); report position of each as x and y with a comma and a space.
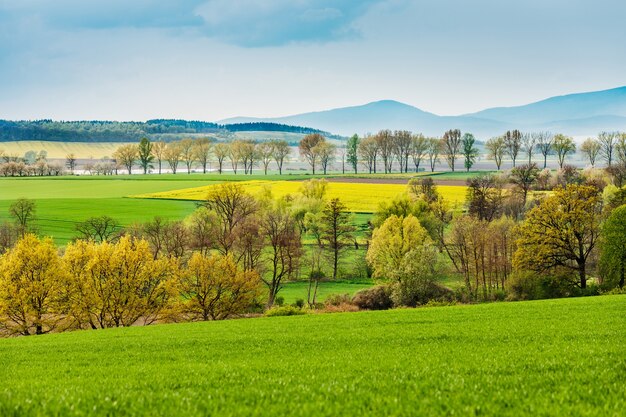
558, 357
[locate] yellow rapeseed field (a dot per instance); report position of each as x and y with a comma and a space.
358, 197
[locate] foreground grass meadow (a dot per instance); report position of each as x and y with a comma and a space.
553, 357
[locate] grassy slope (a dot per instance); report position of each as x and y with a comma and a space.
292, 291
558, 357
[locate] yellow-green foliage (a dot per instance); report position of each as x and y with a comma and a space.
358, 197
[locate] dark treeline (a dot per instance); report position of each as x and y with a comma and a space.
107, 131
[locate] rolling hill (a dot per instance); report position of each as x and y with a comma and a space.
574, 114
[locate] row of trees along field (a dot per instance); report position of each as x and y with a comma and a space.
232, 256
384, 151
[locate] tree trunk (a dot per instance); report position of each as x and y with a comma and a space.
583, 275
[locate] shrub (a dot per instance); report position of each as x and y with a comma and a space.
527, 285
284, 311
375, 298
414, 295
280, 300
338, 299
299, 303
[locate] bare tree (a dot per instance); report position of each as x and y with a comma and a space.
281, 150
451, 146
202, 152
543, 142
368, 152
402, 141
172, 154
221, 151
309, 148
607, 146
158, 150
70, 162
513, 143
265, 151
187, 149
419, 148
496, 148
529, 141
434, 147
97, 229
384, 139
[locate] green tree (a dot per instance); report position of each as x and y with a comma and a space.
561, 232
591, 148
470, 152
496, 148
336, 231
145, 154
563, 146
352, 152
523, 177
309, 147
613, 245
23, 212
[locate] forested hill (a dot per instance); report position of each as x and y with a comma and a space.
107, 131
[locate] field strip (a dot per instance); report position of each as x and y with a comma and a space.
358, 197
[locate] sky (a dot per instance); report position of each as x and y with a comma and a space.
213, 59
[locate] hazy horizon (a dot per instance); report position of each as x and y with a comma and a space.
217, 59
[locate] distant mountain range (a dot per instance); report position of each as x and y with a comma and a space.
580, 114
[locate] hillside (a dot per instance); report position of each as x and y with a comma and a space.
554, 357
575, 114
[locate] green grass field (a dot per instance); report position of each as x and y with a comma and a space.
555, 357
293, 291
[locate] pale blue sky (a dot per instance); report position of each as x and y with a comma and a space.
211, 59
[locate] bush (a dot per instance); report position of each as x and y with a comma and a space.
299, 303
375, 298
527, 285
338, 299
284, 311
414, 295
279, 301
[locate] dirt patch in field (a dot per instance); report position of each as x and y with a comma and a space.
392, 181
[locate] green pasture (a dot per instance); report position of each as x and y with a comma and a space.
292, 291
541, 358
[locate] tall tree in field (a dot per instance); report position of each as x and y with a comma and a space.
544, 142
523, 177
591, 149
607, 146
187, 153
419, 148
31, 284
158, 150
484, 197
248, 150
283, 250
470, 152
145, 154
215, 288
451, 146
127, 155
265, 151
561, 232
563, 146
309, 148
281, 152
620, 148
613, 246
384, 139
402, 148
529, 140
202, 152
173, 154
496, 148
368, 152
352, 155
70, 162
513, 143
23, 212
326, 152
221, 150
235, 154
336, 231
434, 148
232, 205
